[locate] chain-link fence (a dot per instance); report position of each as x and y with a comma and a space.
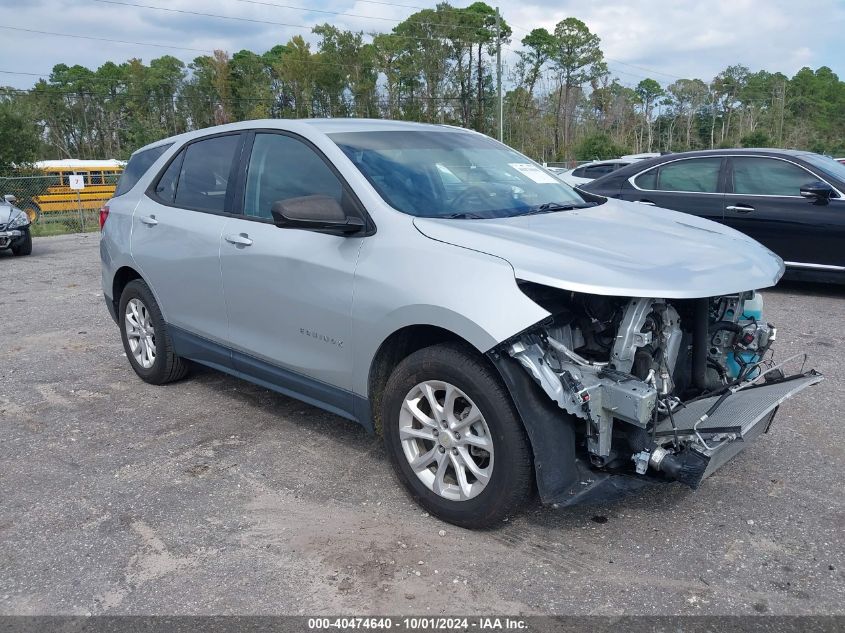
54, 207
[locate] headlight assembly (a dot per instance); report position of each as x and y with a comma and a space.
19, 221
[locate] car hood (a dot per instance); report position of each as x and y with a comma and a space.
619, 248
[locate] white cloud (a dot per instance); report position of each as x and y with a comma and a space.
690, 38
658, 38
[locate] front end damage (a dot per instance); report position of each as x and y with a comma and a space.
616, 392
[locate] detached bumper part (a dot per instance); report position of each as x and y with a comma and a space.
741, 418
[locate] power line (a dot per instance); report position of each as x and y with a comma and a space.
309, 10
649, 70
368, 17
103, 39
253, 20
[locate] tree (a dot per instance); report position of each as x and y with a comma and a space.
434, 66
687, 96
755, 139
648, 91
19, 138
577, 59
540, 45
598, 147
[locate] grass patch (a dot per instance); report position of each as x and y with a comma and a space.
48, 225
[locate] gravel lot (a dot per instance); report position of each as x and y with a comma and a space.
215, 496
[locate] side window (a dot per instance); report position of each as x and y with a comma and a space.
598, 170
281, 168
204, 177
768, 177
579, 173
698, 175
96, 177
647, 180
166, 187
137, 166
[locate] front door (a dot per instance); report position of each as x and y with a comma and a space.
764, 201
289, 291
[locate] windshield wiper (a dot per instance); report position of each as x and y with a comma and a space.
551, 207
464, 215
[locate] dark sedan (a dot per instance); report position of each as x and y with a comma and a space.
790, 201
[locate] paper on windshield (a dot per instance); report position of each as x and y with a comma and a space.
534, 173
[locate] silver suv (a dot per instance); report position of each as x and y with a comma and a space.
501, 331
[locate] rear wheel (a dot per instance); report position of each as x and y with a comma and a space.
454, 438
145, 336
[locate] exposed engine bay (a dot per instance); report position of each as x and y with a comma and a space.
663, 388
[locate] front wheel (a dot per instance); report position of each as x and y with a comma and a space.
454, 438
146, 338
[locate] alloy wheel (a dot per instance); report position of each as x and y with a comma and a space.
446, 440
140, 333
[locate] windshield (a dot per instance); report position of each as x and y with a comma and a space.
443, 174
826, 164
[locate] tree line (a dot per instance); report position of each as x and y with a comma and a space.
561, 100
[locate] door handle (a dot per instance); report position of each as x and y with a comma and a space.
648, 202
238, 240
149, 220
740, 208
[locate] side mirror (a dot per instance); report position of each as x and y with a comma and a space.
11, 199
316, 213
818, 191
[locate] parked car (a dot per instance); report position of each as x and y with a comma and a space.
596, 169
435, 286
790, 201
14, 227
841, 160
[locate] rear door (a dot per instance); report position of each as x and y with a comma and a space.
763, 200
690, 185
176, 236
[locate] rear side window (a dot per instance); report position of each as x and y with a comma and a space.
137, 166
166, 187
204, 176
699, 175
768, 177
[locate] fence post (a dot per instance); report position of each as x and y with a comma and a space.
81, 214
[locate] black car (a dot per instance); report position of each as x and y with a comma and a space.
792, 202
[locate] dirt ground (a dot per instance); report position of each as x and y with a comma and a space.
213, 496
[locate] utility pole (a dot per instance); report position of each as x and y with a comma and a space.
499, 74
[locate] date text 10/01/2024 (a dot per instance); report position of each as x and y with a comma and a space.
419, 623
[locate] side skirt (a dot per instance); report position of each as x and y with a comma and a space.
341, 402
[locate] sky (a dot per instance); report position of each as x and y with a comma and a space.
661, 39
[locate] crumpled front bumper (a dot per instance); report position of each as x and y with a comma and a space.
565, 477
7, 237
743, 417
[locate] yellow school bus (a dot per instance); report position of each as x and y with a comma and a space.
99, 176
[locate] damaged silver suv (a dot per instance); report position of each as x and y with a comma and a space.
501, 331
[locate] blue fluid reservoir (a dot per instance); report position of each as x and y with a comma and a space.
734, 368
753, 308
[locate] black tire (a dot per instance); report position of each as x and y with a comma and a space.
167, 366
511, 482
25, 247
